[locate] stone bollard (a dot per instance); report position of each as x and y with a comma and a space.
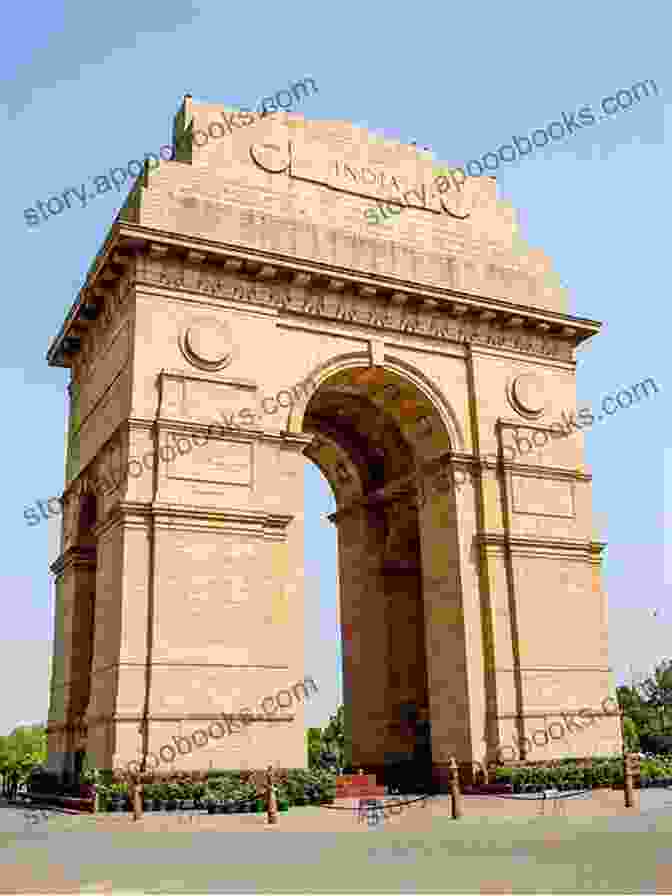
627, 782
271, 798
455, 795
135, 793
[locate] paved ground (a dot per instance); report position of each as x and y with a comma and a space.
499, 846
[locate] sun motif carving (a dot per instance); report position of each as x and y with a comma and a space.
526, 395
207, 344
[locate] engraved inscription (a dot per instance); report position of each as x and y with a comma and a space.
372, 313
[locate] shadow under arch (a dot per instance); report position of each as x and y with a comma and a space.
403, 369
373, 428
82, 588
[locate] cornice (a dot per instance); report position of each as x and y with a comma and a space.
539, 546
541, 472
106, 718
240, 382
234, 521
127, 242
77, 556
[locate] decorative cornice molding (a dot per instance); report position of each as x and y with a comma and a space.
233, 521
169, 270
107, 718
539, 546
77, 556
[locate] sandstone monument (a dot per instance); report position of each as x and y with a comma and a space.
233, 276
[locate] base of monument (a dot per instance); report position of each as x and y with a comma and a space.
404, 777
349, 786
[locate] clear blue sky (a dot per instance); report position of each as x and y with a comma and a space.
87, 88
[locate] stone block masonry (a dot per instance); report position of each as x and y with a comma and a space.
245, 715
117, 176
167, 453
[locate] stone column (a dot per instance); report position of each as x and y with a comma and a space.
451, 592
71, 668
361, 543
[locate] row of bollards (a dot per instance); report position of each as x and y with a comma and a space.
630, 769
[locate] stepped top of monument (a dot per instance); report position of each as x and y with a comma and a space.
327, 203
318, 190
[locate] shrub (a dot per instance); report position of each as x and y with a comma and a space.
504, 775
292, 785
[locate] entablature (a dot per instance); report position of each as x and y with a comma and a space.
141, 255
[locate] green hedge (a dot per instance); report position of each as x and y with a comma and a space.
569, 775
295, 787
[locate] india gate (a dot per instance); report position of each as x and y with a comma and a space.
244, 314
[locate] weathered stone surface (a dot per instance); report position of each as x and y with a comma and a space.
251, 316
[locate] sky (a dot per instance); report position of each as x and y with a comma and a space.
86, 89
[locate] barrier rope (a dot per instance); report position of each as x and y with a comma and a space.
543, 795
382, 804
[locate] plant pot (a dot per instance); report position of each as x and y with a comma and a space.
259, 806
188, 805
211, 806
283, 806
170, 805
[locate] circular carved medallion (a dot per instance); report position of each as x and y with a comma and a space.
526, 395
271, 157
207, 344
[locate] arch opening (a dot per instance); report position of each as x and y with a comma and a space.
374, 431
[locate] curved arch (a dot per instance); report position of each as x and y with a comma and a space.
403, 369
434, 395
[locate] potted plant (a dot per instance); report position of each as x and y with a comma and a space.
231, 802
198, 795
89, 783
249, 801
103, 798
170, 797
245, 800
117, 797
148, 795
159, 796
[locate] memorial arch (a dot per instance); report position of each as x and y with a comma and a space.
232, 274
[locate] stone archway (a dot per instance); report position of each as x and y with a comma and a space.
428, 345
375, 437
